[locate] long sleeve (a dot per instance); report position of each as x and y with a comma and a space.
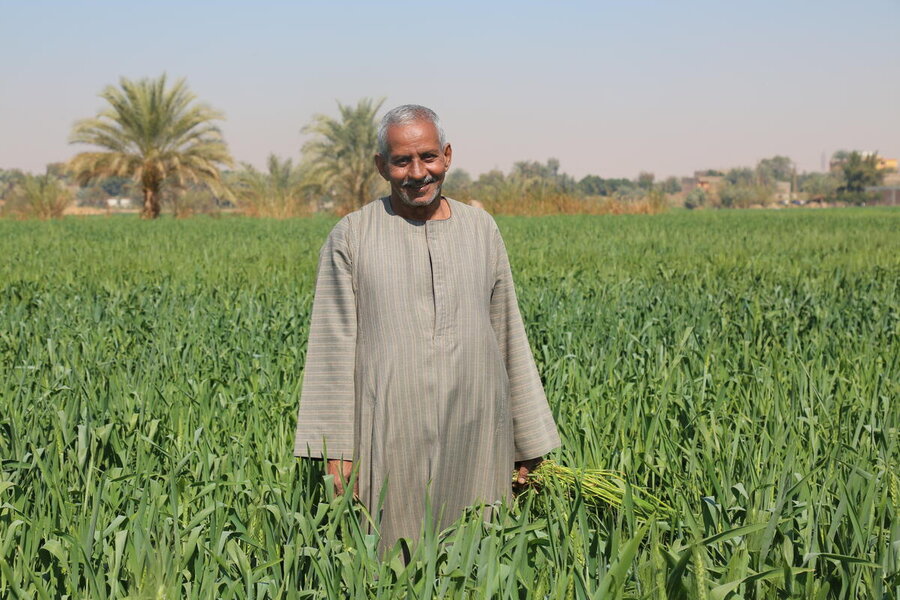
533, 427
327, 399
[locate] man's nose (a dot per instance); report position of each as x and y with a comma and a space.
417, 169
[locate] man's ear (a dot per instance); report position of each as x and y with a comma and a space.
448, 155
381, 165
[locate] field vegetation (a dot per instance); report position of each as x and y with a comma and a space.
740, 366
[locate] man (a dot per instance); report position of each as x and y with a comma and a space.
418, 369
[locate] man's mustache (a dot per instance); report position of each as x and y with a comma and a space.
410, 183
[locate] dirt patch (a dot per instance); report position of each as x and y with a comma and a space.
88, 211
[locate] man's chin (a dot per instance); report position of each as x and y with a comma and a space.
420, 202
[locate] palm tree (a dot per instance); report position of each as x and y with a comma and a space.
155, 134
340, 156
280, 192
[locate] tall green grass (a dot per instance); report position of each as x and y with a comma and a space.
741, 366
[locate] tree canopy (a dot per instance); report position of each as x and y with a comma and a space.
156, 134
339, 158
777, 168
278, 192
859, 171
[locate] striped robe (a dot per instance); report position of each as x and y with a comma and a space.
418, 367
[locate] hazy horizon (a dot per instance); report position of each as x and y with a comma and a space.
607, 89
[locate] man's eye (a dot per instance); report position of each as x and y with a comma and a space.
401, 163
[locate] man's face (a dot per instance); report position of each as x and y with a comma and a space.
416, 163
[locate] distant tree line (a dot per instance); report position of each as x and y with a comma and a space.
743, 187
156, 142
532, 187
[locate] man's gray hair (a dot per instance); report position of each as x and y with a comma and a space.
403, 115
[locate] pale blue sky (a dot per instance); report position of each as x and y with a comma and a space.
609, 88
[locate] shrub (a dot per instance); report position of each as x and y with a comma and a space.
696, 198
38, 196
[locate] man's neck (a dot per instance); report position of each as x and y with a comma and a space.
438, 210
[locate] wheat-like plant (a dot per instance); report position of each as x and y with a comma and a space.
598, 487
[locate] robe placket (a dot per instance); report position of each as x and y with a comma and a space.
440, 291
433, 237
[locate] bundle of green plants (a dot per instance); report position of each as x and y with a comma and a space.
598, 488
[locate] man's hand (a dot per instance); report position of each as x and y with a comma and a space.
524, 468
341, 469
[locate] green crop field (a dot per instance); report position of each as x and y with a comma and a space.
744, 367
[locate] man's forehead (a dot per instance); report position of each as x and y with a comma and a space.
418, 131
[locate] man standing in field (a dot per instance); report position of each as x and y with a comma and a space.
418, 369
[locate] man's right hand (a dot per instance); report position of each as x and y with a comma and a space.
341, 469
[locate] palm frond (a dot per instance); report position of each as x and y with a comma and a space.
339, 156
153, 133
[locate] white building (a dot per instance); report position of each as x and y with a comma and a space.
118, 203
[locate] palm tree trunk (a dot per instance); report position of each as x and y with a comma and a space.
151, 204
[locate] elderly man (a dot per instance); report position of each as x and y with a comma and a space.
418, 370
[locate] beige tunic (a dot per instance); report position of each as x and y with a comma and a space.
418, 367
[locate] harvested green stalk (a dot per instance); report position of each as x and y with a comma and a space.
598, 487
